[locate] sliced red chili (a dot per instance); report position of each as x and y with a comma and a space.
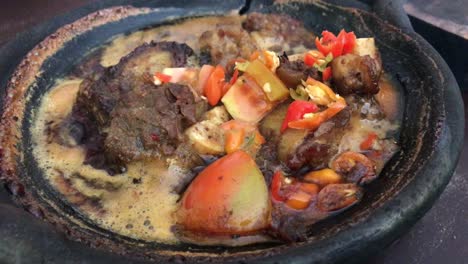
164, 78
337, 45
296, 111
326, 74
369, 141
276, 183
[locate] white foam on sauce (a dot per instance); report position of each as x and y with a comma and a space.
142, 211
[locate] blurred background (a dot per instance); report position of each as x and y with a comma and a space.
441, 236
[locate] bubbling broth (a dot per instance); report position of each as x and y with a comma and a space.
124, 146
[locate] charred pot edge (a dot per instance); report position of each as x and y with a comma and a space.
13, 113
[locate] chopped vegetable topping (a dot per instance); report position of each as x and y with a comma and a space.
297, 110
311, 57
326, 74
337, 45
296, 195
323, 177
242, 135
262, 76
160, 78
203, 76
299, 93
214, 86
316, 120
246, 101
369, 141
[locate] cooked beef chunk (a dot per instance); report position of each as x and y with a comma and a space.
293, 72
225, 43
274, 32
319, 147
125, 116
356, 74
149, 121
97, 98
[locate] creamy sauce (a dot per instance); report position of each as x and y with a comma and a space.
142, 210
124, 44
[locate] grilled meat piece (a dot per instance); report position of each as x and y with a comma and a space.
319, 147
353, 74
150, 121
97, 98
293, 72
126, 117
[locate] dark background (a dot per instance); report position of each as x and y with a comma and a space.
441, 236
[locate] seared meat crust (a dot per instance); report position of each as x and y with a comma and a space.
353, 74
125, 116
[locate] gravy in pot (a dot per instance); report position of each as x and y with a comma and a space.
142, 200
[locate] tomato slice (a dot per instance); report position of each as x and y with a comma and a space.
214, 86
205, 73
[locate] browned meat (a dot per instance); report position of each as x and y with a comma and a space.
319, 147
149, 121
293, 72
355, 167
338, 196
97, 98
124, 116
280, 29
356, 74
226, 43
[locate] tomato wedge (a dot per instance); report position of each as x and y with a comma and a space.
214, 86
230, 196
